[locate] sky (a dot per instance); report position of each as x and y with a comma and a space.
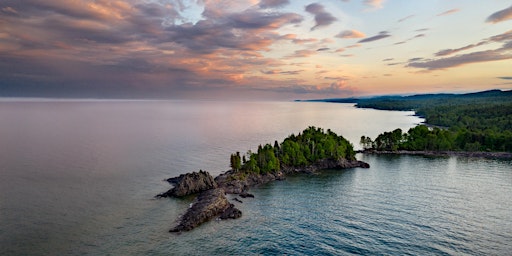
253, 49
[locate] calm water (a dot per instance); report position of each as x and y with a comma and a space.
78, 178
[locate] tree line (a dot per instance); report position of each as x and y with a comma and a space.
423, 138
306, 148
468, 122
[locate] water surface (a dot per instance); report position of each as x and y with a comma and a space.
78, 177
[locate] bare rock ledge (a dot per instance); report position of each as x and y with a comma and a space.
212, 202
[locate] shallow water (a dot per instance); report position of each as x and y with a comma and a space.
78, 177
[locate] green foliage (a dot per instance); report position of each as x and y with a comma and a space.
308, 147
435, 139
236, 162
471, 122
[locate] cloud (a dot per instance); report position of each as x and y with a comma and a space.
351, 34
459, 60
9, 10
451, 11
280, 72
406, 18
375, 4
499, 16
507, 36
142, 48
502, 53
380, 36
336, 88
452, 51
415, 59
302, 53
354, 46
505, 77
504, 37
322, 18
273, 3
388, 59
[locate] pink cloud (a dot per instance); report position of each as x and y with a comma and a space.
451, 11
351, 34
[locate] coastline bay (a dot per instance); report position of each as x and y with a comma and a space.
79, 178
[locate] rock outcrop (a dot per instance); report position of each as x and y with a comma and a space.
326, 164
231, 213
212, 201
236, 183
190, 183
208, 205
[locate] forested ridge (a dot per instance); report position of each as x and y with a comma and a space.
466, 122
306, 148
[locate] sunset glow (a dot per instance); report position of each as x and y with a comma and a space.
248, 49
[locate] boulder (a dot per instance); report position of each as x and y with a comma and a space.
190, 183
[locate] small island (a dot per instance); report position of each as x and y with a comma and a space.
310, 151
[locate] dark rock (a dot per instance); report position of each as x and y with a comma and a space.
245, 195
212, 200
238, 200
208, 204
190, 183
231, 213
234, 183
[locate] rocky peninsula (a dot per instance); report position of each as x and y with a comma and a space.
311, 151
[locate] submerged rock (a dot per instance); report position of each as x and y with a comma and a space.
190, 183
208, 205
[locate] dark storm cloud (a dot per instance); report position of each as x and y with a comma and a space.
322, 18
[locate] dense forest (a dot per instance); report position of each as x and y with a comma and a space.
465, 122
306, 148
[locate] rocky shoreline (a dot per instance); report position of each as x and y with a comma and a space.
479, 154
212, 202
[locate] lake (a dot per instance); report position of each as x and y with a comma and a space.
78, 177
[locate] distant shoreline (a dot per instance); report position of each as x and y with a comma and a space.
475, 154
